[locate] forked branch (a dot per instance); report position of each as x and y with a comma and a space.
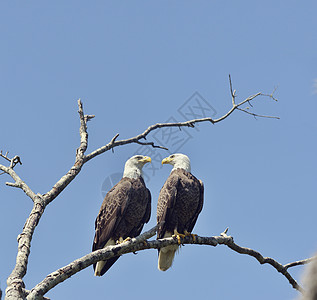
13, 161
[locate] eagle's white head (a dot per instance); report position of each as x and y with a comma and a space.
178, 161
133, 166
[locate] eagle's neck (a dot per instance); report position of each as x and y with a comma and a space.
132, 172
182, 164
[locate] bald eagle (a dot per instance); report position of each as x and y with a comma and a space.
179, 204
124, 211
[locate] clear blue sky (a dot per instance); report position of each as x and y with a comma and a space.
134, 64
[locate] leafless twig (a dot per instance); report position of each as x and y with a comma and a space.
262, 260
300, 262
190, 123
13, 161
256, 115
151, 144
232, 92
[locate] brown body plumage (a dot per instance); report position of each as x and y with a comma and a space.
179, 204
124, 211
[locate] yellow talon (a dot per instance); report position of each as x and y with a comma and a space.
121, 240
179, 236
194, 237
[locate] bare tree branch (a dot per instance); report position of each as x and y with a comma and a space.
272, 94
232, 92
140, 243
79, 160
17, 181
300, 262
16, 288
256, 115
13, 161
27, 292
151, 144
263, 260
190, 123
15, 284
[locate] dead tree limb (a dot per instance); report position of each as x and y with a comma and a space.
141, 243
15, 285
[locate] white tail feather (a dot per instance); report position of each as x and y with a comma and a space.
166, 254
100, 264
166, 257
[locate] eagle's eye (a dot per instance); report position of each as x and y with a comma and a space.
139, 157
172, 156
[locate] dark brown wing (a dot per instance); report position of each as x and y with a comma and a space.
166, 202
180, 202
111, 212
125, 209
147, 214
199, 208
140, 208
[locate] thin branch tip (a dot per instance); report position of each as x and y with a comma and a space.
257, 115
114, 138
89, 117
151, 144
13, 184
300, 262
13, 161
226, 230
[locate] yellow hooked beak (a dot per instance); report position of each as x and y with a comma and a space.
145, 159
166, 160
